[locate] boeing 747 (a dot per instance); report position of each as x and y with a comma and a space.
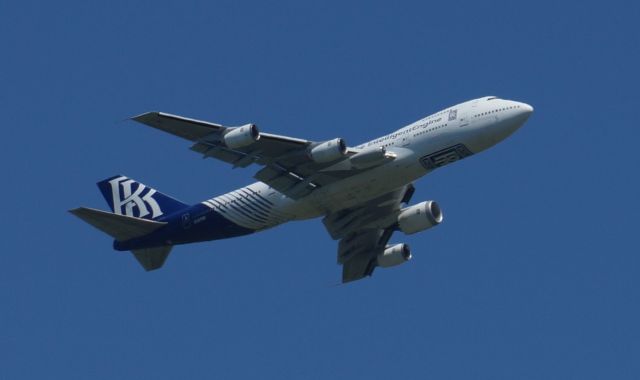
361, 192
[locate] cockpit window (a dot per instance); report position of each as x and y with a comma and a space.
492, 98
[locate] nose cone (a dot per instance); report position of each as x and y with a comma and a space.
516, 115
526, 109
521, 114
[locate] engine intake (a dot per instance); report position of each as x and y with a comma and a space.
241, 136
419, 217
328, 151
394, 255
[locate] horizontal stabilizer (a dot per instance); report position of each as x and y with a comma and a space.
120, 227
152, 258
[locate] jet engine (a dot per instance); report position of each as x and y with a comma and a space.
371, 157
419, 217
241, 136
394, 255
328, 151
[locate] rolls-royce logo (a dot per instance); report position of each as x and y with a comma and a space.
133, 201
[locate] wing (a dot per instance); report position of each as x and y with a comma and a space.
288, 166
364, 232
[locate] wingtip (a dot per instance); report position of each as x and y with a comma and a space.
142, 116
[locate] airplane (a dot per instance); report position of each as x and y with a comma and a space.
362, 192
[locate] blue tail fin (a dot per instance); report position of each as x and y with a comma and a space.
128, 197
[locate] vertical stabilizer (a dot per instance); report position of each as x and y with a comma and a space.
128, 197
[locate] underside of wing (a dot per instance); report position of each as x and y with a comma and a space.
358, 253
378, 213
190, 129
293, 166
364, 232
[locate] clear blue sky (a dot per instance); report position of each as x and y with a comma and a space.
533, 275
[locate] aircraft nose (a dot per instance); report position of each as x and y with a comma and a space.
523, 112
517, 117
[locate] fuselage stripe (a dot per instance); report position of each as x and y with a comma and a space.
234, 214
260, 207
256, 212
239, 210
249, 214
260, 202
272, 211
235, 205
263, 199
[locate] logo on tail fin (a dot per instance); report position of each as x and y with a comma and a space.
125, 197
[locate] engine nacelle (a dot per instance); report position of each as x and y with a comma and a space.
241, 136
419, 217
394, 255
328, 151
371, 157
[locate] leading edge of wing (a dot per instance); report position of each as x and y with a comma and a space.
196, 130
190, 129
288, 139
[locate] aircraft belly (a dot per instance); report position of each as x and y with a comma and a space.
365, 186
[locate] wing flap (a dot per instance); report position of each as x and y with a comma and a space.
221, 153
288, 167
286, 182
358, 253
364, 232
378, 213
358, 268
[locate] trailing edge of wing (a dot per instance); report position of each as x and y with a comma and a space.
364, 232
358, 267
287, 166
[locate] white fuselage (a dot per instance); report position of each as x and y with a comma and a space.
434, 141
